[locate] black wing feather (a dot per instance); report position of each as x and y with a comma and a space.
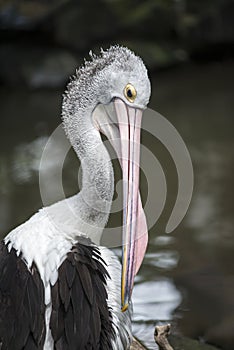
22, 309
79, 297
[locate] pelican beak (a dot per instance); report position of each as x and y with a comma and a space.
134, 225
125, 139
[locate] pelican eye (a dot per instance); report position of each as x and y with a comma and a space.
130, 92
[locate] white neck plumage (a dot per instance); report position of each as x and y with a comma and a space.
88, 211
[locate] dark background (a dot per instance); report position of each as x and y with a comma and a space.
53, 36
188, 46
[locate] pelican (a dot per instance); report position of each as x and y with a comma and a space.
59, 288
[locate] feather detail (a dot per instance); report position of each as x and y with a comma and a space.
81, 290
22, 308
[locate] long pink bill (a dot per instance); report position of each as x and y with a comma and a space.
134, 235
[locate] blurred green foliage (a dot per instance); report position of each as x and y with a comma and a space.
163, 32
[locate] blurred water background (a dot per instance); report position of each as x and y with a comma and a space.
187, 277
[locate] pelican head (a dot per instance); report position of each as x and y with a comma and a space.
108, 95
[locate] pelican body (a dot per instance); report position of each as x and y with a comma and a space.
59, 288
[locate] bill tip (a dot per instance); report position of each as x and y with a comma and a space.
124, 308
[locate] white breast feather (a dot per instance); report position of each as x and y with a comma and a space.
40, 242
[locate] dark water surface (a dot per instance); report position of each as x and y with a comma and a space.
187, 277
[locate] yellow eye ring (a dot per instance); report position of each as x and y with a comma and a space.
130, 93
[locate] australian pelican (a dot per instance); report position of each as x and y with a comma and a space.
59, 289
